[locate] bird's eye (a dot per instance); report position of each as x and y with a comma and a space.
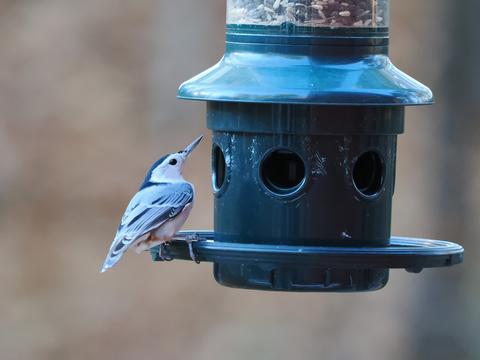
173, 162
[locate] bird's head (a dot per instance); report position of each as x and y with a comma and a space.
169, 167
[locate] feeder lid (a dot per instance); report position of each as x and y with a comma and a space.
305, 74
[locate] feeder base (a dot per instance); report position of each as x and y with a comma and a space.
306, 279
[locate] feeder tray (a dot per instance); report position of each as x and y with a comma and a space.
263, 265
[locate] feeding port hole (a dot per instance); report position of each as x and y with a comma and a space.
219, 168
282, 171
368, 173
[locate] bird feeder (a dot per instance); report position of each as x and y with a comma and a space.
305, 109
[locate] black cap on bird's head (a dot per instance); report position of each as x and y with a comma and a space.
146, 182
169, 165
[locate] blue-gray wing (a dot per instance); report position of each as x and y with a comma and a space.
148, 209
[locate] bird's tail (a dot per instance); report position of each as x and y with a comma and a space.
114, 255
107, 264
110, 262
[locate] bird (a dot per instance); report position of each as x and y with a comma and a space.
158, 210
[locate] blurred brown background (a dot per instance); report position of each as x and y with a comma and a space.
87, 102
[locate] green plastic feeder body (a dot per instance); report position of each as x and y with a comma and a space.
305, 109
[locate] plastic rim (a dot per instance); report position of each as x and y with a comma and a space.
412, 254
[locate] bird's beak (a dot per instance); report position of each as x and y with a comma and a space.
192, 146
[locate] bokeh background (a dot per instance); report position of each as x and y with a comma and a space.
87, 102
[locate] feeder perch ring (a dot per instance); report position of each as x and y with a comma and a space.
412, 254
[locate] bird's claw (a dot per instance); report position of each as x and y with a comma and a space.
189, 239
190, 251
160, 253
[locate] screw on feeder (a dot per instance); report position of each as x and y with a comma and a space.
305, 109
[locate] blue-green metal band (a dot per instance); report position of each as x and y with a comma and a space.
306, 35
291, 29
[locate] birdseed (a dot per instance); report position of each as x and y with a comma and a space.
317, 13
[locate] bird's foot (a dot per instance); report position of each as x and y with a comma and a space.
161, 255
190, 251
189, 239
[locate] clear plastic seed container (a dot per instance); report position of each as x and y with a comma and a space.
310, 13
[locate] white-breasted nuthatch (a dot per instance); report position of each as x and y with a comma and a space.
158, 210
